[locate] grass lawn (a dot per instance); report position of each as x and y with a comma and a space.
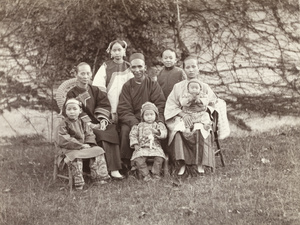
259, 185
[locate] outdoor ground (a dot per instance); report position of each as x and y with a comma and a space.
259, 185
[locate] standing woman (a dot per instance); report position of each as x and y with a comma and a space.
96, 112
182, 146
113, 74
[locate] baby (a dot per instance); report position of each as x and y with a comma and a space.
77, 142
194, 103
144, 138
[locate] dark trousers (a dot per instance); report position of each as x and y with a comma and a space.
142, 167
125, 150
112, 155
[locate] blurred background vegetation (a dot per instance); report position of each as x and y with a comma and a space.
248, 50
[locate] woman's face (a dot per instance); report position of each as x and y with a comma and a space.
117, 51
84, 74
191, 68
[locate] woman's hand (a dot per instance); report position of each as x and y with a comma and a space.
136, 147
187, 119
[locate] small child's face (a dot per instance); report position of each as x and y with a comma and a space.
168, 58
73, 110
84, 74
149, 116
194, 88
117, 51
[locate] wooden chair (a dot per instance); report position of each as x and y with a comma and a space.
60, 97
219, 150
62, 174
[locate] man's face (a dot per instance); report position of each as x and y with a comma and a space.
191, 68
84, 74
138, 69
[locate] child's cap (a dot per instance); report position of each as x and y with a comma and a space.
194, 81
149, 106
137, 56
74, 101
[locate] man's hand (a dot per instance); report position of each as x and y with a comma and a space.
93, 125
114, 118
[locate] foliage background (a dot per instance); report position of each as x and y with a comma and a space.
248, 50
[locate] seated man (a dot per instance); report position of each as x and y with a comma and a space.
135, 93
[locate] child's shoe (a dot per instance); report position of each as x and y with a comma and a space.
102, 180
147, 178
79, 188
156, 177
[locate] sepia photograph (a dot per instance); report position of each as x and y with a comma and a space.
154, 112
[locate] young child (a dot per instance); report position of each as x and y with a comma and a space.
113, 74
170, 74
144, 138
195, 103
77, 142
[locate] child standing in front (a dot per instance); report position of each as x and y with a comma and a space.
113, 74
145, 139
170, 74
77, 142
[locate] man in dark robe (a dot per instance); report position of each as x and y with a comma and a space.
135, 93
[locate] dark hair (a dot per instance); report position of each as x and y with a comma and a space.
119, 41
74, 70
188, 58
170, 49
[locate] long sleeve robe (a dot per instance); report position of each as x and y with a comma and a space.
149, 144
95, 104
110, 78
72, 135
173, 106
134, 95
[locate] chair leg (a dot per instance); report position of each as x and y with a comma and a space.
166, 167
222, 158
70, 179
55, 171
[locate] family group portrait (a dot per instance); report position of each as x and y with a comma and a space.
160, 112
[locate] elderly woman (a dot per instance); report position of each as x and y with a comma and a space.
96, 112
190, 150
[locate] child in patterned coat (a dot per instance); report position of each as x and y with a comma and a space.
77, 141
145, 139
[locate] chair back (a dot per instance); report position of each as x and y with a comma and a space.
62, 91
